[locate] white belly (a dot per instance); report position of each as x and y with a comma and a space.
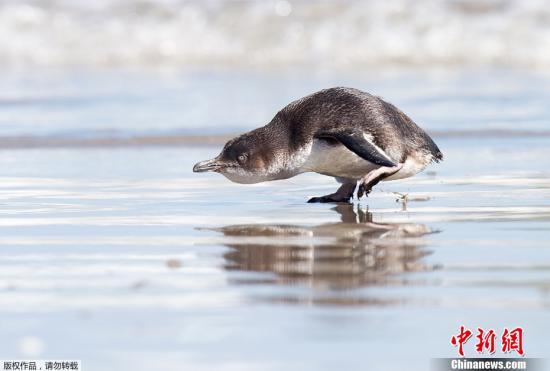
411, 166
336, 160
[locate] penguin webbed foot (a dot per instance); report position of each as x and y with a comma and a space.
343, 195
373, 178
329, 199
364, 190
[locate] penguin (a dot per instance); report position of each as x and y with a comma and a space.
353, 136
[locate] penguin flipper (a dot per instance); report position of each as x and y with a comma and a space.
358, 143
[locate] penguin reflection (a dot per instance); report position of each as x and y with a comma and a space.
351, 253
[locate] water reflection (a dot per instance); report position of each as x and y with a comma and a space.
354, 252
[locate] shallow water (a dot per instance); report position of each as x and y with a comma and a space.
121, 104
122, 257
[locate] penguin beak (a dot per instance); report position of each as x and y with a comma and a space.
208, 165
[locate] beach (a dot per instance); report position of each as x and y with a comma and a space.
113, 252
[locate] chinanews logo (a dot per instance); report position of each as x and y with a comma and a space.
510, 340
506, 342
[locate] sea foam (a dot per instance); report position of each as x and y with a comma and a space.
317, 34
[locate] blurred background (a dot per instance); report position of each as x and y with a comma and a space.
113, 252
115, 69
263, 34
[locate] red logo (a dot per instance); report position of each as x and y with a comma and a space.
511, 340
461, 339
486, 341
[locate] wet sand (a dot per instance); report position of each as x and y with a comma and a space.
122, 257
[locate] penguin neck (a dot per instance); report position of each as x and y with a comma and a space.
290, 149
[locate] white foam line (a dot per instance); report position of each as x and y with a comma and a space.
33, 257
497, 266
474, 212
44, 302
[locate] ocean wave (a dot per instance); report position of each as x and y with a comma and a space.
258, 34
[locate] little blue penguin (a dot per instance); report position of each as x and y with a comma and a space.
351, 135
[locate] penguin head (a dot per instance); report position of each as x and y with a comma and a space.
249, 158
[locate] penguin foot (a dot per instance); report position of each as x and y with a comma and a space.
364, 190
329, 199
373, 178
343, 194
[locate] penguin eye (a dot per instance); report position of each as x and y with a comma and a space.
242, 158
